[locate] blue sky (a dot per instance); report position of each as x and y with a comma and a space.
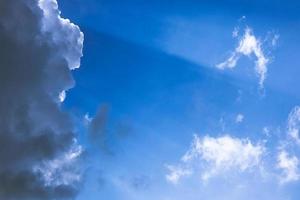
152, 66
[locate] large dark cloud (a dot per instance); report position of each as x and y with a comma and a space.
37, 53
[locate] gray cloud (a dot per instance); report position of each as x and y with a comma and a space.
104, 132
38, 51
98, 129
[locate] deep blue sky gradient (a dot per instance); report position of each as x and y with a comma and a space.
152, 63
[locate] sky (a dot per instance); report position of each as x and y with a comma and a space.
140, 100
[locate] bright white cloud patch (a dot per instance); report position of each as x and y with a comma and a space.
294, 124
249, 45
289, 165
63, 32
220, 155
62, 96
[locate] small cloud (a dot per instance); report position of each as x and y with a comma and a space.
62, 96
235, 32
294, 124
217, 156
289, 165
87, 119
266, 131
239, 118
243, 18
275, 39
249, 45
176, 173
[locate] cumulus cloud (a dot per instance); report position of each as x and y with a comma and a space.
37, 139
289, 165
249, 45
219, 155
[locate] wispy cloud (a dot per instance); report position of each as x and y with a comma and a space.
287, 157
176, 173
249, 45
293, 125
218, 155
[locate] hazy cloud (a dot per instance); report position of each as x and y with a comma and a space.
293, 125
239, 118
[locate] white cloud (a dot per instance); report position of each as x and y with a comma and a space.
289, 165
87, 119
249, 45
55, 172
294, 124
239, 118
175, 173
62, 96
220, 155
63, 32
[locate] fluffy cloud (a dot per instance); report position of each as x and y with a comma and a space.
249, 45
38, 50
219, 155
289, 165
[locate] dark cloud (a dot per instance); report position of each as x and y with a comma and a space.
38, 51
98, 129
105, 132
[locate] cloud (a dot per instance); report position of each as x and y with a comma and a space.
249, 45
287, 157
275, 40
98, 128
175, 173
105, 134
239, 118
38, 51
63, 32
293, 124
289, 165
51, 170
62, 96
219, 155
